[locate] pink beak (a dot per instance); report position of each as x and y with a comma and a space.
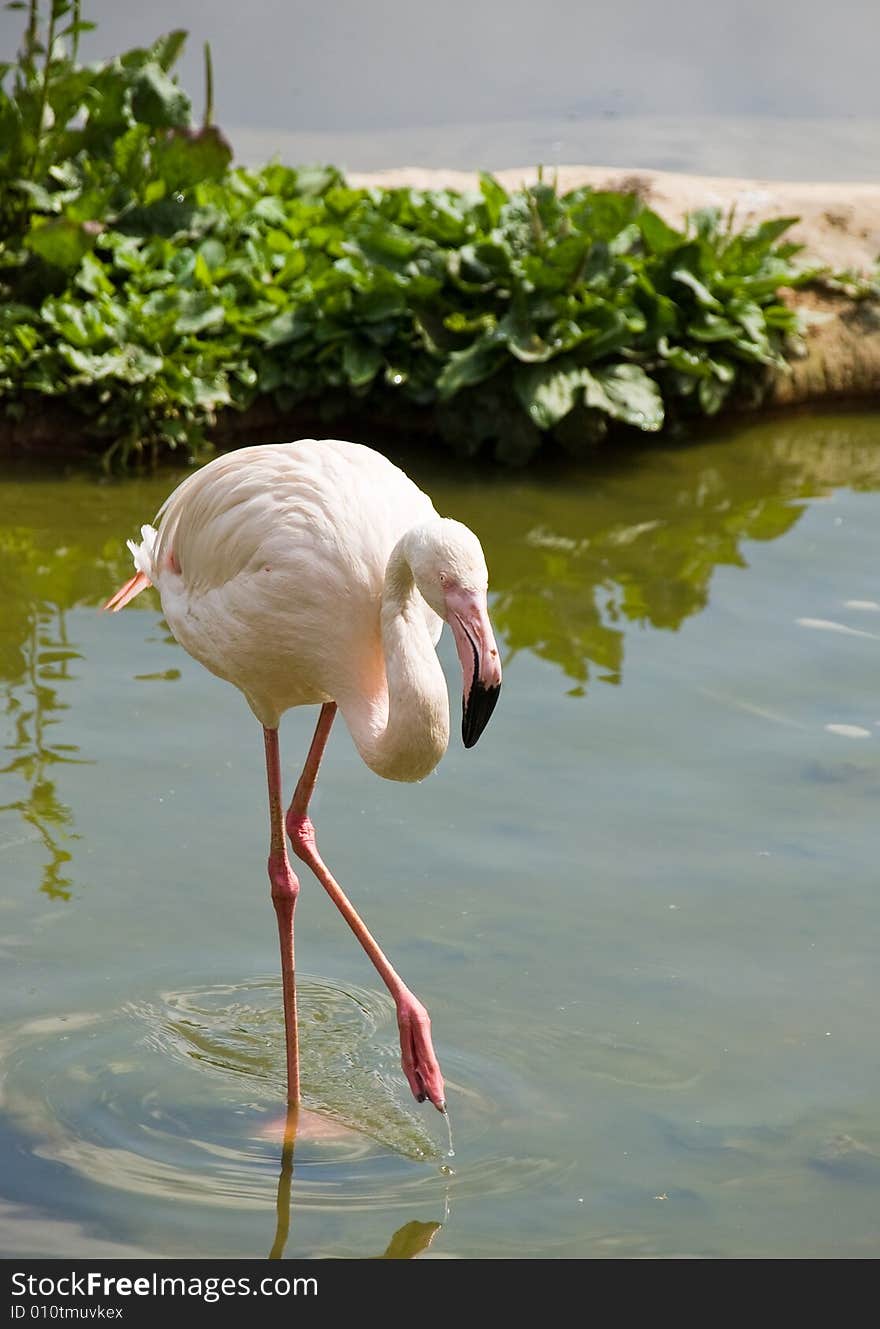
468, 615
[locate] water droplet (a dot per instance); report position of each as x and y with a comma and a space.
446, 1170
451, 1150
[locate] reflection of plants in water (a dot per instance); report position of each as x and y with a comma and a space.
32, 709
575, 562
634, 540
35, 657
580, 591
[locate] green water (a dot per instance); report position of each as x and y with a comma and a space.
643, 912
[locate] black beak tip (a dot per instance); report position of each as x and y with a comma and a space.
478, 712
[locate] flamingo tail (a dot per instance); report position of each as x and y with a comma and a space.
143, 560
139, 582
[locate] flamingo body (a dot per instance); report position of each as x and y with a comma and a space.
270, 564
318, 573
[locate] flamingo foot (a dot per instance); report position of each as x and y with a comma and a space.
419, 1061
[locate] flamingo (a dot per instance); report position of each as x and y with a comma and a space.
318, 573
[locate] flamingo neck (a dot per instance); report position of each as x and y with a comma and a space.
403, 734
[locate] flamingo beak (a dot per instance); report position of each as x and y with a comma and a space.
467, 613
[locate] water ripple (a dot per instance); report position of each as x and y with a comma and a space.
181, 1099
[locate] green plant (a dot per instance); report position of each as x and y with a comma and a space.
150, 285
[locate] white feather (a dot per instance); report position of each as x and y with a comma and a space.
143, 553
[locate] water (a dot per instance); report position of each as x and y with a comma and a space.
784, 90
643, 912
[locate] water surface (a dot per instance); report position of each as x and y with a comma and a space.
786, 90
643, 911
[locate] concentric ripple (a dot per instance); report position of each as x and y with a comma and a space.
181, 1099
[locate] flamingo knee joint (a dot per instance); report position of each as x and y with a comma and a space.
302, 836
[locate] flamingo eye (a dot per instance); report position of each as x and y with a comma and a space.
443, 577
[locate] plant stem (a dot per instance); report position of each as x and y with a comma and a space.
30, 39
537, 225
74, 47
44, 93
209, 88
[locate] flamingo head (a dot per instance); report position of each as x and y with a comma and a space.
449, 569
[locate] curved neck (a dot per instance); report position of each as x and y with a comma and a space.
403, 734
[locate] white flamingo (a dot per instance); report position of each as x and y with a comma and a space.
317, 573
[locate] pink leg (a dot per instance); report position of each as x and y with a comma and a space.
420, 1065
285, 889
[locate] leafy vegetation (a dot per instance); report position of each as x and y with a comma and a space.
151, 285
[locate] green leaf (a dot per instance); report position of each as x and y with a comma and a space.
156, 99
548, 392
62, 242
129, 151
185, 157
723, 371
750, 316
712, 394
709, 327
684, 361
491, 258
494, 197
270, 210
526, 345
468, 272
309, 181
201, 311
166, 50
292, 325
657, 235
361, 362
342, 200
625, 392
92, 277
42, 199
603, 213
131, 364
478, 362
74, 29
213, 253
759, 239
700, 290
625, 241
380, 303
609, 328
705, 223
